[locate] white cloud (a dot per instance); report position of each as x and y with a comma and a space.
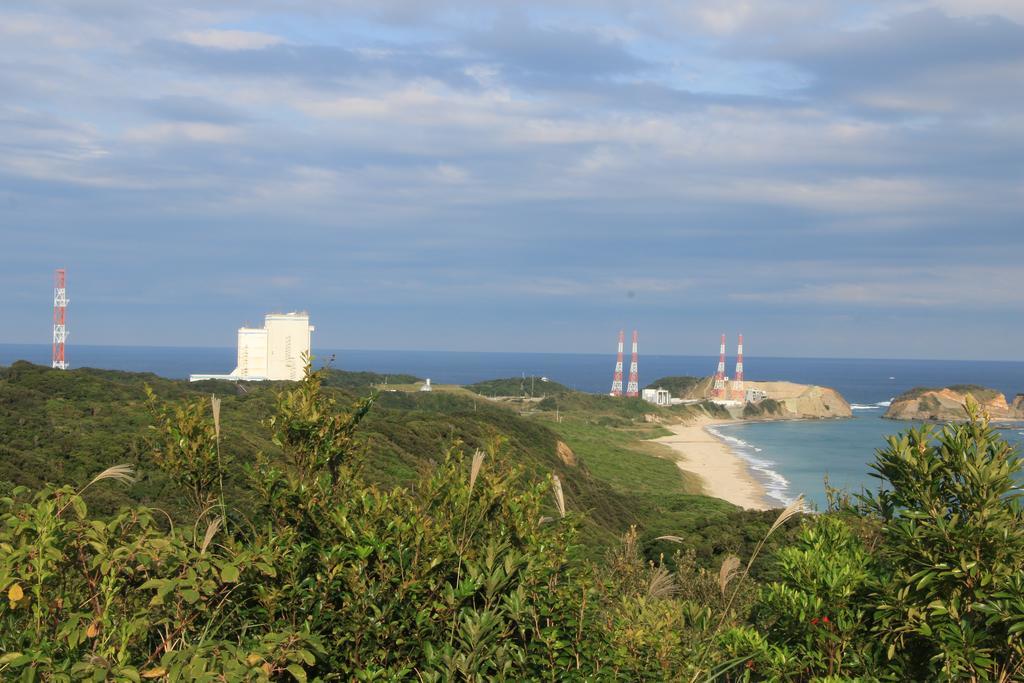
192, 131
952, 286
449, 173
229, 39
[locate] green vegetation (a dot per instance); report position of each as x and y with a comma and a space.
922, 581
681, 386
66, 426
534, 387
764, 408
301, 561
979, 392
360, 380
929, 405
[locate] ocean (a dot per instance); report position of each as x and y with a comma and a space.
788, 457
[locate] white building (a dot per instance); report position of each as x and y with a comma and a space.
276, 351
756, 395
659, 397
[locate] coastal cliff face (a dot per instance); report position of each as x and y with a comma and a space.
803, 401
947, 404
787, 400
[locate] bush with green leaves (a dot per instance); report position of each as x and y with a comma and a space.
921, 580
951, 553
464, 575
475, 571
815, 620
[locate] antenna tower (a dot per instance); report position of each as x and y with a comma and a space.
737, 381
617, 377
60, 319
719, 389
633, 388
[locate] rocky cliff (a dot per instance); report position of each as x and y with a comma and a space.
788, 400
946, 404
804, 401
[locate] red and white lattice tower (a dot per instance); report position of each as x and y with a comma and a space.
60, 320
736, 387
718, 391
617, 377
633, 388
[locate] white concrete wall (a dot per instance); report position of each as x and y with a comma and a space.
252, 353
289, 337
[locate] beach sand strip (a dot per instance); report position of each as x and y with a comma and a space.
725, 474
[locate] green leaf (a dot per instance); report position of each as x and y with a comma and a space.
297, 671
191, 596
79, 505
229, 573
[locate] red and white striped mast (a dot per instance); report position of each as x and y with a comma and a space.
719, 389
737, 380
60, 320
617, 377
633, 388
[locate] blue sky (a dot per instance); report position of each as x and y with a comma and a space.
831, 178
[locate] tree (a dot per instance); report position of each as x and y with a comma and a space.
949, 589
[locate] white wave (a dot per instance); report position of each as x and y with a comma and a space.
884, 404
858, 406
775, 485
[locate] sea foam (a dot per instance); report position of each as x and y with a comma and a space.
776, 486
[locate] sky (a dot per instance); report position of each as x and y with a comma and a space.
829, 177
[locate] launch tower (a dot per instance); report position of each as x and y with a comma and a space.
60, 320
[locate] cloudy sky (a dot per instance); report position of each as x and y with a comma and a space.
829, 177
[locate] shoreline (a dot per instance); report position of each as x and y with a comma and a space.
723, 473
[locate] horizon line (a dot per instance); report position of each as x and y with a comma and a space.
538, 353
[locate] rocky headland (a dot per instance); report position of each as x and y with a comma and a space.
782, 400
946, 404
798, 402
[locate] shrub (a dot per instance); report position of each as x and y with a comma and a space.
460, 576
949, 598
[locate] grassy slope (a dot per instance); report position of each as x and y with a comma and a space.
63, 427
519, 386
610, 436
681, 386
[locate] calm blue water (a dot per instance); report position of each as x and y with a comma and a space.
790, 457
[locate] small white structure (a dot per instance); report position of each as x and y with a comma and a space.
276, 351
756, 395
659, 396
426, 386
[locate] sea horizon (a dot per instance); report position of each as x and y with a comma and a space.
316, 352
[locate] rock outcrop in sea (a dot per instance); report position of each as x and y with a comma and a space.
946, 404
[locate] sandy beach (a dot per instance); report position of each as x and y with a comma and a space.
725, 474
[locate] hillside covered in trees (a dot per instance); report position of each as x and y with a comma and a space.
316, 532
63, 427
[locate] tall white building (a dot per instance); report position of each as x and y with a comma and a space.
276, 351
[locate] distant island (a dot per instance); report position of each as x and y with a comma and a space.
946, 404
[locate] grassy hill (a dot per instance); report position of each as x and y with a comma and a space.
63, 427
533, 387
683, 386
